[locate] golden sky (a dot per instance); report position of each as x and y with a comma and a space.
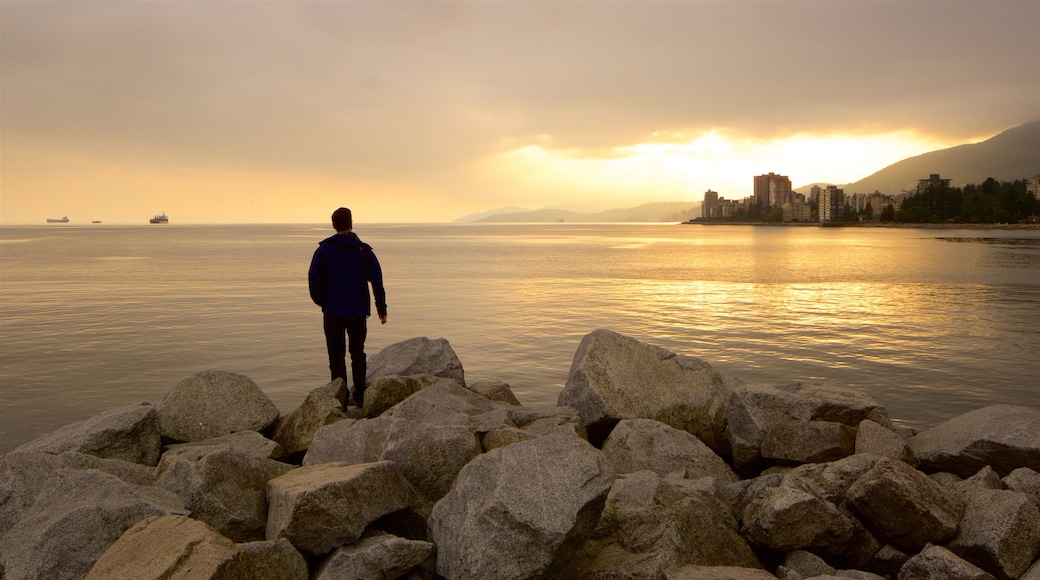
268, 112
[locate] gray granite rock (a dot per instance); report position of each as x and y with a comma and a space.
212, 404
875, 439
247, 442
386, 391
639, 444
753, 411
222, 487
295, 431
1000, 532
504, 436
1025, 481
1033, 573
129, 433
417, 356
1005, 437
903, 506
321, 507
614, 377
24, 474
830, 481
377, 556
717, 573
163, 547
269, 560
785, 519
77, 515
807, 564
651, 524
521, 511
444, 402
496, 391
799, 441
938, 563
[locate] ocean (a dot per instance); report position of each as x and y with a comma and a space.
931, 322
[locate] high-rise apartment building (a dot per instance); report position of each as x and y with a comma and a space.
832, 201
772, 190
709, 207
1033, 186
933, 181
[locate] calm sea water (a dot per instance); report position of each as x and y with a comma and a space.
933, 323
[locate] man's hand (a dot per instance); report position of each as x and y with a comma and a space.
382, 318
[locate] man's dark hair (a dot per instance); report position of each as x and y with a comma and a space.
341, 219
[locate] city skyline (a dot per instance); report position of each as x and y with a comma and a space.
416, 112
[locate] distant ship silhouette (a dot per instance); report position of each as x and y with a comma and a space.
62, 220
160, 219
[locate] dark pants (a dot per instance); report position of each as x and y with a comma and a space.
343, 333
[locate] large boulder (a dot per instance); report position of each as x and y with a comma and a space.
694, 572
938, 563
800, 441
296, 430
875, 439
495, 390
639, 444
248, 442
830, 481
903, 506
130, 433
377, 556
321, 507
652, 524
1000, 532
1005, 437
212, 404
170, 546
222, 487
614, 377
785, 519
1025, 481
269, 560
522, 510
386, 391
416, 356
24, 474
77, 515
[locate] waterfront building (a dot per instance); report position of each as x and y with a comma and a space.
832, 202
772, 190
710, 205
933, 181
797, 211
1033, 186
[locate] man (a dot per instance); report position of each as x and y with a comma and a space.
342, 268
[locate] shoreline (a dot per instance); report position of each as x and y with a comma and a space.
891, 225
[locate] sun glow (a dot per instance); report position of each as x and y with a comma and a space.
679, 166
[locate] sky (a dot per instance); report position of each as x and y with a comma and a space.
279, 112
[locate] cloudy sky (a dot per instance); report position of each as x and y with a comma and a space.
269, 112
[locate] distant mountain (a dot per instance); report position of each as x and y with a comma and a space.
1013, 154
649, 212
475, 217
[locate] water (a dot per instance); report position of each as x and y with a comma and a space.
933, 323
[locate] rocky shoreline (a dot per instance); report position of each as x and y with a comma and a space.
652, 465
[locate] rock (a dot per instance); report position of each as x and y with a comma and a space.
903, 506
416, 356
24, 474
428, 456
753, 411
504, 436
296, 430
1005, 437
1000, 533
321, 507
1025, 481
830, 481
387, 391
521, 511
269, 560
639, 444
170, 546
938, 563
496, 391
77, 515
615, 377
538, 420
717, 573
248, 442
887, 561
739, 494
785, 519
844, 406
444, 402
651, 524
808, 564
800, 441
128, 433
212, 404
379, 556
875, 439
1033, 573
222, 487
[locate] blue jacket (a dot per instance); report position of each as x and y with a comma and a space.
340, 272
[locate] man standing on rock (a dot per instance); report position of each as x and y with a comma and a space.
342, 268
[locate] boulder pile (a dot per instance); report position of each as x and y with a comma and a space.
652, 466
